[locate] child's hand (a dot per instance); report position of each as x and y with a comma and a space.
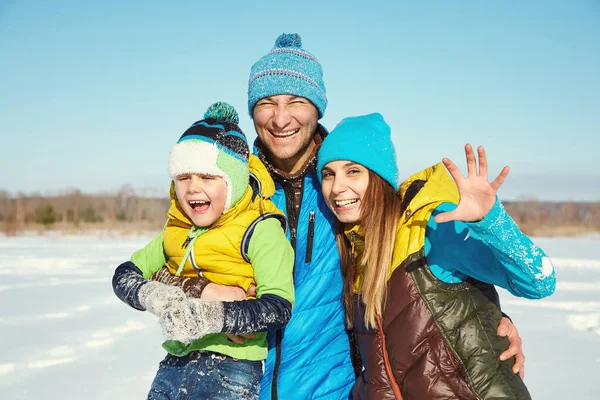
192, 319
156, 297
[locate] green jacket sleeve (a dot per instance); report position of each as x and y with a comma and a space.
151, 258
272, 258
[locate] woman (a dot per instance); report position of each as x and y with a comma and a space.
419, 264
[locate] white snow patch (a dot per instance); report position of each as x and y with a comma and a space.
577, 286
94, 344
576, 263
61, 351
7, 368
50, 363
577, 306
130, 326
58, 315
547, 267
585, 322
58, 355
51, 282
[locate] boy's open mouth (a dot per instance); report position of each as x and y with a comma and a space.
199, 205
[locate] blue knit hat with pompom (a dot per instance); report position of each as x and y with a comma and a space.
214, 146
287, 69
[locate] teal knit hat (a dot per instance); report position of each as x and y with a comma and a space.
214, 146
287, 69
365, 140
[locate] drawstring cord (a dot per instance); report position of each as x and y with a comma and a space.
192, 235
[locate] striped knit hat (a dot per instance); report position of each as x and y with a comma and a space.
214, 146
287, 69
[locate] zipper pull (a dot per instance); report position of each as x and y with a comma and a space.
309, 239
186, 242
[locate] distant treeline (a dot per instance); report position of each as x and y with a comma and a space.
555, 218
128, 208
76, 209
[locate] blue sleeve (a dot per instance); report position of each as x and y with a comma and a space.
492, 250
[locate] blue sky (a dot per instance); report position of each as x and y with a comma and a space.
93, 95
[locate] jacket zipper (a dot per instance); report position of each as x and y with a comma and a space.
311, 235
386, 361
290, 200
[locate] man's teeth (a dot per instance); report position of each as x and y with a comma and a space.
344, 203
285, 134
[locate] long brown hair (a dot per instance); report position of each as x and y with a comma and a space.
379, 214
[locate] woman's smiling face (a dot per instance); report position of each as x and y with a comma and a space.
344, 184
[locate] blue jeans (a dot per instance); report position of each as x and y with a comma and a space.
206, 375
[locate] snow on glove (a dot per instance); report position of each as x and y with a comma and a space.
156, 297
192, 319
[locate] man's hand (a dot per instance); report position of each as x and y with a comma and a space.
213, 291
508, 329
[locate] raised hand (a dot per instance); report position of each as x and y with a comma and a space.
477, 195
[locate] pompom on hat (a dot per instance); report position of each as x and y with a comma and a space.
287, 69
365, 140
214, 146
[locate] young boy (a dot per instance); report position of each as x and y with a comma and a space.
224, 229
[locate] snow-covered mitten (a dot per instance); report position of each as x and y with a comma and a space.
192, 319
156, 297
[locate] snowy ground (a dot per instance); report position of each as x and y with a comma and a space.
66, 336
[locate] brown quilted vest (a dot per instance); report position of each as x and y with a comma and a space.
435, 340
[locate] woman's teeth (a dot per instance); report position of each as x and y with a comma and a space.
345, 203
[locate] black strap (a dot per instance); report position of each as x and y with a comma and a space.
278, 340
256, 186
245, 245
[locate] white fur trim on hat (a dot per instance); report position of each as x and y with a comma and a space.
197, 157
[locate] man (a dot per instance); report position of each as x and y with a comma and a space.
286, 98
311, 357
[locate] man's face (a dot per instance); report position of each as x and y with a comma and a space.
285, 125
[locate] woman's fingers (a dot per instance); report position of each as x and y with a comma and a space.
453, 170
483, 166
471, 168
496, 183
